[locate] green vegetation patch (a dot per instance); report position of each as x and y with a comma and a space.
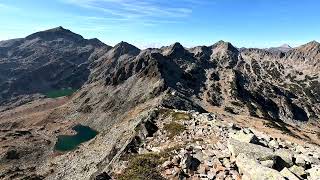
165, 113
143, 167
60, 93
174, 129
181, 116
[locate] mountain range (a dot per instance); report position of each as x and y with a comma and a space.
117, 87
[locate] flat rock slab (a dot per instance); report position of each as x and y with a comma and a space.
288, 174
252, 169
255, 151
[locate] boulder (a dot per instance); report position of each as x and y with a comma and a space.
298, 170
314, 173
286, 156
285, 172
257, 152
12, 154
243, 136
103, 176
301, 159
253, 170
226, 162
273, 144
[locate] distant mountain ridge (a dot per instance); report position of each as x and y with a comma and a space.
282, 48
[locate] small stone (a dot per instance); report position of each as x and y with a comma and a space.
273, 144
226, 162
220, 146
263, 142
221, 175
235, 174
176, 171
168, 171
216, 163
166, 164
208, 163
199, 155
219, 168
156, 149
211, 175
202, 169
176, 160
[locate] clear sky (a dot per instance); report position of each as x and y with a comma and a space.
149, 23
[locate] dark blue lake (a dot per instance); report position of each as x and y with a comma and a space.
71, 142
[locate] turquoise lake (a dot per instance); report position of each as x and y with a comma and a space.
71, 142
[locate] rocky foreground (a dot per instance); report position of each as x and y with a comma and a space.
190, 145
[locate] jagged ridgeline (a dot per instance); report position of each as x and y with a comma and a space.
276, 83
267, 84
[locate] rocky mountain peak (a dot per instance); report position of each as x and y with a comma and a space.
55, 33
177, 51
96, 42
225, 53
176, 47
222, 46
310, 51
285, 46
311, 46
125, 48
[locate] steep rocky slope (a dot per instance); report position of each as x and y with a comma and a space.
44, 61
278, 86
207, 146
123, 88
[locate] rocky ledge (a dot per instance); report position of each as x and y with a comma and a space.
190, 145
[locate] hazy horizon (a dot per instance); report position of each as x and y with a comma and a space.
148, 23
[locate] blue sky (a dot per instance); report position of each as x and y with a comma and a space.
149, 23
